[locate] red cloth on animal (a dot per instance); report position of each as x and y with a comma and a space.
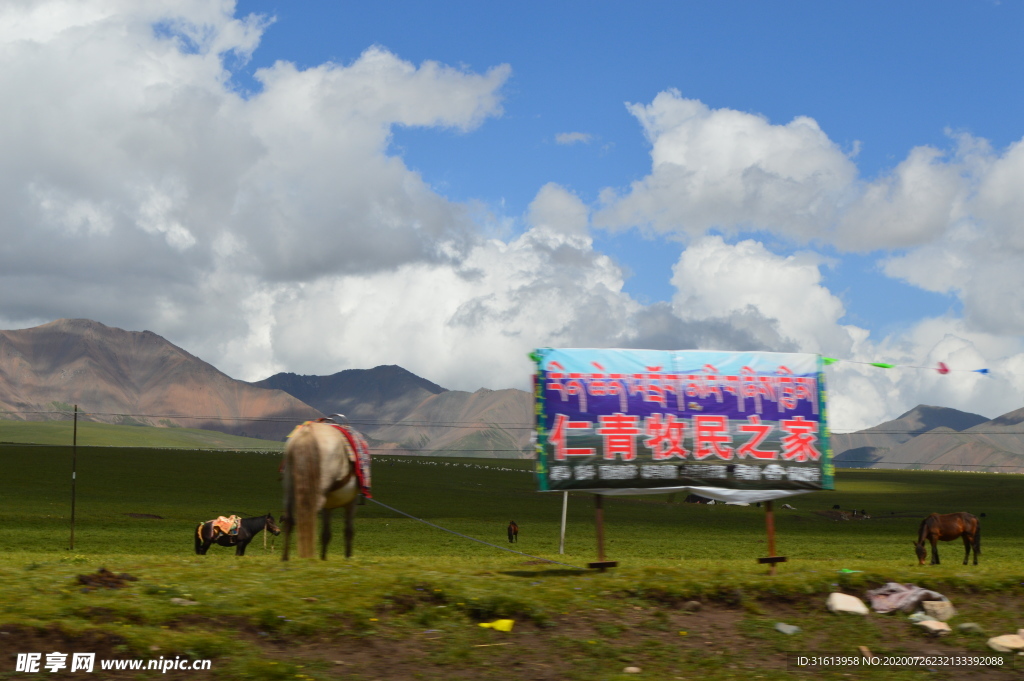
362, 457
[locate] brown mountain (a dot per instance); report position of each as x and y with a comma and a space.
403, 413
937, 438
369, 398
486, 423
119, 376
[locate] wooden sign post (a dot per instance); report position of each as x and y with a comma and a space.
769, 522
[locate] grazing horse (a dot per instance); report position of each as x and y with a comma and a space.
513, 531
207, 534
319, 474
948, 527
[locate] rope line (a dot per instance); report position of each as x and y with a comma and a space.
466, 536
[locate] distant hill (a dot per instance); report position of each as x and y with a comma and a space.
936, 438
403, 413
371, 397
487, 423
132, 378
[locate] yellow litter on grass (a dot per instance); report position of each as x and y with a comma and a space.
500, 625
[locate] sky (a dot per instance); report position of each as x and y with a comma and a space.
319, 186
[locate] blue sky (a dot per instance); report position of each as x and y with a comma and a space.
318, 186
880, 77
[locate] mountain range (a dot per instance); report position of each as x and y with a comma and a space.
936, 438
139, 378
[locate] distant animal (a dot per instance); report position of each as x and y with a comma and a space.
982, 515
208, 533
835, 507
948, 527
319, 475
513, 531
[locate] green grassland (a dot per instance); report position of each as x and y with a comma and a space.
407, 578
95, 434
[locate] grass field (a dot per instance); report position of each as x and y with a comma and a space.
407, 578
109, 435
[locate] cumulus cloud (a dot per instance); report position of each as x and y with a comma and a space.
726, 169
714, 279
170, 197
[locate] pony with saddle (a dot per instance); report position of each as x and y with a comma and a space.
233, 531
326, 466
936, 528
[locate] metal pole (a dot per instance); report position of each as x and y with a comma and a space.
561, 538
74, 471
769, 521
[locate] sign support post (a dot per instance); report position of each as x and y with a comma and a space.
74, 467
561, 538
769, 524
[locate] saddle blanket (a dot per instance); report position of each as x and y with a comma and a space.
227, 524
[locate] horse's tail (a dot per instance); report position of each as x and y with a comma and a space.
303, 456
977, 537
199, 537
922, 535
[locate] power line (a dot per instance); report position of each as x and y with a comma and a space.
460, 424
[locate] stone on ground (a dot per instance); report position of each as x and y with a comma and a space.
970, 628
934, 627
940, 610
1007, 643
786, 628
838, 602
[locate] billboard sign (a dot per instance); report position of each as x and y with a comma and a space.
648, 420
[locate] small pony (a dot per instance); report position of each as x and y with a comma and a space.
513, 532
207, 533
948, 527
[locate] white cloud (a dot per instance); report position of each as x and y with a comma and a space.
728, 169
127, 147
573, 138
715, 279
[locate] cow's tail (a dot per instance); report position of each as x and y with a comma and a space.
303, 454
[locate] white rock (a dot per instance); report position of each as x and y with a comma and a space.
631, 670
1007, 643
940, 610
838, 602
934, 627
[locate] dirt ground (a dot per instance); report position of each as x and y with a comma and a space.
663, 640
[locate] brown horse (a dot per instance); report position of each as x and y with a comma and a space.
948, 527
513, 531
